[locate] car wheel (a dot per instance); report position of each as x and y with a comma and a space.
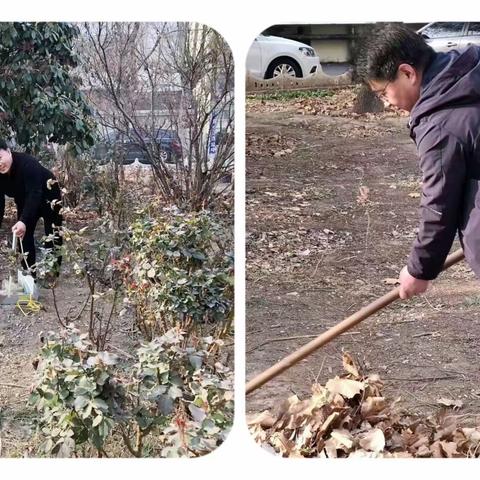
164, 156
283, 66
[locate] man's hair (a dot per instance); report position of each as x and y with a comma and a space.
388, 47
3, 144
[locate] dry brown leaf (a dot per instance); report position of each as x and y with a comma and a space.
258, 433
295, 454
318, 389
449, 449
447, 402
319, 417
436, 450
337, 401
330, 448
329, 422
362, 197
422, 441
446, 428
397, 441
372, 406
304, 438
349, 365
423, 452
303, 407
320, 397
373, 386
346, 423
264, 419
343, 438
472, 434
373, 441
391, 281
281, 443
344, 386
461, 440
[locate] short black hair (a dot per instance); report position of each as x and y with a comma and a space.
389, 46
3, 144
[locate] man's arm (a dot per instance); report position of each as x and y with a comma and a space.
442, 160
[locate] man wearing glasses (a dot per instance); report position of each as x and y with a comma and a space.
442, 93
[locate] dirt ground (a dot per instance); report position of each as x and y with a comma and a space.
319, 247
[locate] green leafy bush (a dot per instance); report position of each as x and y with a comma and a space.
41, 99
179, 380
76, 395
180, 272
175, 400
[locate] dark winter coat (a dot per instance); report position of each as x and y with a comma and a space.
445, 125
26, 182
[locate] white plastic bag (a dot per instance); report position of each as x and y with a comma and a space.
27, 282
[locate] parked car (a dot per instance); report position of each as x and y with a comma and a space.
271, 56
119, 146
445, 36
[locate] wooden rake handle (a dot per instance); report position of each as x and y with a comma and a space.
335, 331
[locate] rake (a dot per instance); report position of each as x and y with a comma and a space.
335, 331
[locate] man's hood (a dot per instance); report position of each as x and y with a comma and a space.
451, 80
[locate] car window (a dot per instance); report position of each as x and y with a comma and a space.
167, 134
443, 30
474, 29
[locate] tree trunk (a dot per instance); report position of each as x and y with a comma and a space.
367, 102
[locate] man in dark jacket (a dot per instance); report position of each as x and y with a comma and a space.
442, 93
36, 194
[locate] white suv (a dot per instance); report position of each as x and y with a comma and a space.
270, 57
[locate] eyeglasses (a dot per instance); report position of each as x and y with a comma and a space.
380, 94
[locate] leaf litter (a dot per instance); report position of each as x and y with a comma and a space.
350, 417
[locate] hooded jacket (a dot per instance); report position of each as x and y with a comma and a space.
26, 182
445, 126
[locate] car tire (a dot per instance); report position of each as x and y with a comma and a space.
165, 156
285, 64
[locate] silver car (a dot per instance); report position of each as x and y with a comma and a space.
445, 36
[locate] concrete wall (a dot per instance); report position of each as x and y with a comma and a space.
332, 50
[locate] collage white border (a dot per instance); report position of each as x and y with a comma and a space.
239, 23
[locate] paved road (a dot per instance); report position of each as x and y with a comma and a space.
334, 69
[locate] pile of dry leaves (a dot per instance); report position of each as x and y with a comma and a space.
349, 417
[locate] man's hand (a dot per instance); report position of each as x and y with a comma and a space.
19, 229
410, 286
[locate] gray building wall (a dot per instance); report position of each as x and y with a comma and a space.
333, 43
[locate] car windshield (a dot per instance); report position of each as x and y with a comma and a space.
443, 30
166, 134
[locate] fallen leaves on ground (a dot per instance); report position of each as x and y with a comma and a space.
339, 103
269, 145
350, 417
